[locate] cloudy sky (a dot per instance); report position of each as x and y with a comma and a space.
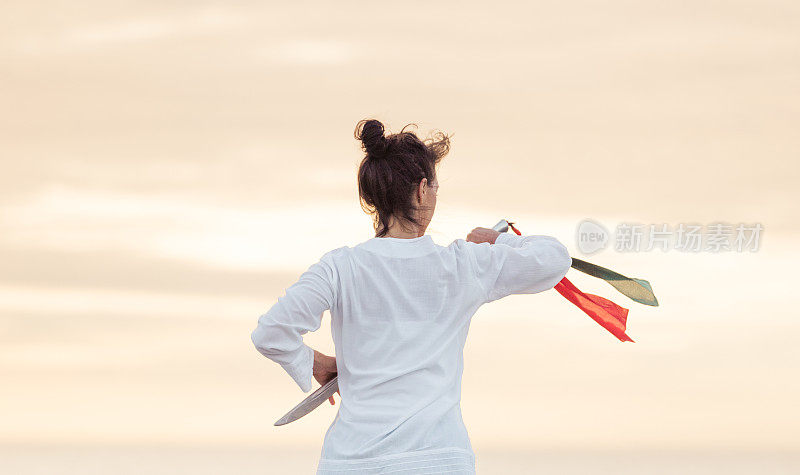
169, 168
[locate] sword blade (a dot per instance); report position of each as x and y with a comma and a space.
311, 402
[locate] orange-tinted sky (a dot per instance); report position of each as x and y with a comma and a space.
170, 168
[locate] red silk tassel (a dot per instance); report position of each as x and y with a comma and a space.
609, 315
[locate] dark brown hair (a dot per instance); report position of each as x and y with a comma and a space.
392, 169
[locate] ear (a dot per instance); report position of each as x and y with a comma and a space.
421, 189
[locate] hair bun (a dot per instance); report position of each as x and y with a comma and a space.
370, 132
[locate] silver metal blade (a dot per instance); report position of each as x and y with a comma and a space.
311, 402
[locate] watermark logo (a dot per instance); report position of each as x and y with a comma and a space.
683, 237
591, 236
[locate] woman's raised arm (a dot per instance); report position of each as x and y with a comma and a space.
518, 264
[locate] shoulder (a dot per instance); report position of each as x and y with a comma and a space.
468, 250
339, 251
463, 246
335, 257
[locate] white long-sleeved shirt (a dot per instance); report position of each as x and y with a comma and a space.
400, 311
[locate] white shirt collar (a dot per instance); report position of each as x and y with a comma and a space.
400, 247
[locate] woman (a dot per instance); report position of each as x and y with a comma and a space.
400, 309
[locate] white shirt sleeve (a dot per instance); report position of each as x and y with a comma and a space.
520, 265
279, 334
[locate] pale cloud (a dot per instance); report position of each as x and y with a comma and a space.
136, 30
289, 237
277, 238
280, 237
16, 299
315, 52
